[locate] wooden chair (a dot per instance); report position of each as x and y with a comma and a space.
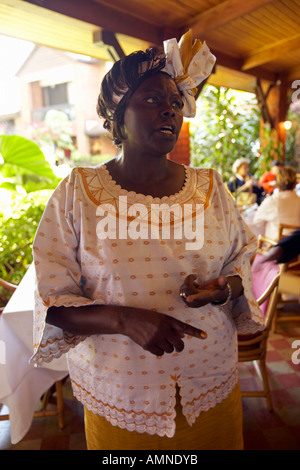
286, 229
286, 299
48, 396
253, 348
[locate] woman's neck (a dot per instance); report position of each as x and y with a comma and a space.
143, 168
157, 177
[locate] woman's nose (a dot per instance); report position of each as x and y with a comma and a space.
167, 110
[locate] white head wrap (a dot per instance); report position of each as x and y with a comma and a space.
188, 64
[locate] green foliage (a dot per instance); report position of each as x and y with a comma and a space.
24, 171
226, 128
17, 231
16, 236
24, 164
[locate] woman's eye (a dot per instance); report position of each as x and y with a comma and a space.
151, 99
178, 104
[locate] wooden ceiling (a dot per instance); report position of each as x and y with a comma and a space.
250, 38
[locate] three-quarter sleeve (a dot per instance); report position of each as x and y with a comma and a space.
58, 272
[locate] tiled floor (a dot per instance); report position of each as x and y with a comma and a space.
263, 430
279, 429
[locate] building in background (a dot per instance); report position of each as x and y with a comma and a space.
51, 79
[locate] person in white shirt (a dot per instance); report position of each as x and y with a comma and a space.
282, 207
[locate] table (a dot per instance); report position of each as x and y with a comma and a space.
22, 384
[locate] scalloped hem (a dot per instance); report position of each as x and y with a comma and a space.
54, 349
210, 399
141, 422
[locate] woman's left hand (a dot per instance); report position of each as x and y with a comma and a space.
199, 294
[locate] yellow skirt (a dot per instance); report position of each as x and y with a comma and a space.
220, 428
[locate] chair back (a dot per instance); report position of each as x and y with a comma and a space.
265, 285
286, 229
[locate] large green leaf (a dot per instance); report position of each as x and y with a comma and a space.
23, 157
24, 153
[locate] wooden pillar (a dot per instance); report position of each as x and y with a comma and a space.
283, 107
181, 151
274, 103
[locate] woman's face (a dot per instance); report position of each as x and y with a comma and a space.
153, 118
243, 169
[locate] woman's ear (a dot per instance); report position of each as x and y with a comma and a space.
119, 132
123, 132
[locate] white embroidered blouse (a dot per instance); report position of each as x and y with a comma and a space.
110, 374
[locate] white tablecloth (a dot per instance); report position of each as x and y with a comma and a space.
22, 384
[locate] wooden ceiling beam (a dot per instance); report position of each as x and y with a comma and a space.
222, 14
271, 52
105, 17
235, 63
293, 74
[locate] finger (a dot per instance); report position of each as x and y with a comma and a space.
200, 298
222, 282
190, 281
176, 340
188, 287
179, 345
155, 350
167, 347
192, 331
196, 332
196, 299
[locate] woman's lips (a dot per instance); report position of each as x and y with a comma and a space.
167, 129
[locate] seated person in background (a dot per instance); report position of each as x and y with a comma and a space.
286, 249
243, 182
268, 179
282, 207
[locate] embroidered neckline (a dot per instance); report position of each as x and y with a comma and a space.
99, 187
112, 186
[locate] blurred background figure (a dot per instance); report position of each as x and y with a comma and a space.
282, 207
268, 179
243, 185
286, 249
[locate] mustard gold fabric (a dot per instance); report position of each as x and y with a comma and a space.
219, 428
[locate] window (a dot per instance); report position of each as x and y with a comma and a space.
55, 94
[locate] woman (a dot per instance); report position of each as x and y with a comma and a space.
243, 185
282, 207
148, 321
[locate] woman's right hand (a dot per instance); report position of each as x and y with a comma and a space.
156, 332
153, 331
